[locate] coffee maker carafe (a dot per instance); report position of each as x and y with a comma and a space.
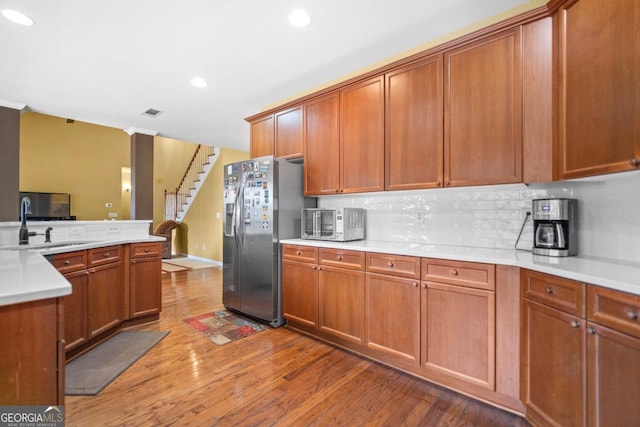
554, 225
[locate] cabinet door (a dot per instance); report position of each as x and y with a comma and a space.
145, 279
322, 146
459, 334
75, 310
554, 366
599, 71
614, 376
414, 126
262, 137
483, 111
393, 316
300, 292
341, 303
105, 298
362, 136
288, 133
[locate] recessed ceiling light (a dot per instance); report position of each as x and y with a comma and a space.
299, 18
17, 17
199, 82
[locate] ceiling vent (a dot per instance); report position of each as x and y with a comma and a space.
152, 112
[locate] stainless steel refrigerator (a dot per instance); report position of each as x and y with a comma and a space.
263, 199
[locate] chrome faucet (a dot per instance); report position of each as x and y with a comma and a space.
25, 208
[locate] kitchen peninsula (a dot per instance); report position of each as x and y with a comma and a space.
57, 299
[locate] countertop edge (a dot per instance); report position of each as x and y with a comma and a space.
28, 276
600, 272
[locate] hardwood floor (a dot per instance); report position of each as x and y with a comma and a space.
274, 378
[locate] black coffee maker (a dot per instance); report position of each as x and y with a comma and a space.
554, 225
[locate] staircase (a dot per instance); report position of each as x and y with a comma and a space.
178, 202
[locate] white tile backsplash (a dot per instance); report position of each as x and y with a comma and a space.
491, 216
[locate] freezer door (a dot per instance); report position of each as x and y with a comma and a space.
230, 248
258, 245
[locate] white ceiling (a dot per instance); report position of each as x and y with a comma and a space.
106, 62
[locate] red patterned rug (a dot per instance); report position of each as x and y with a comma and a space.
222, 327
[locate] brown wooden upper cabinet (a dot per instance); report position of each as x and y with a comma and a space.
322, 145
362, 136
262, 137
483, 111
288, 133
598, 75
344, 140
414, 126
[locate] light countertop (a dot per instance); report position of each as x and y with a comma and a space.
622, 276
26, 275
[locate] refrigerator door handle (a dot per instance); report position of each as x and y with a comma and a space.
239, 229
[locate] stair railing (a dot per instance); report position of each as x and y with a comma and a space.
175, 200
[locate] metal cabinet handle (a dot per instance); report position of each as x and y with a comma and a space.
415, 284
575, 324
390, 263
146, 249
632, 315
549, 290
454, 271
67, 262
634, 162
592, 331
298, 253
339, 258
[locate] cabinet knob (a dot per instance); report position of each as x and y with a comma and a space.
339, 258
146, 249
438, 184
415, 284
447, 183
315, 267
454, 272
575, 324
632, 315
592, 331
390, 263
106, 254
298, 253
67, 262
635, 162
549, 290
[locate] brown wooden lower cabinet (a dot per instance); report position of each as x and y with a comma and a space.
579, 367
32, 362
553, 354
111, 286
339, 288
443, 332
458, 334
145, 273
393, 316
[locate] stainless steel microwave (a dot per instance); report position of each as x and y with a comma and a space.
339, 224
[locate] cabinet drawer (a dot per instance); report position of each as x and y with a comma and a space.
615, 309
70, 261
469, 274
300, 253
563, 294
342, 258
144, 250
395, 265
106, 255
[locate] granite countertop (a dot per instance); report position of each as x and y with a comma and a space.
609, 273
26, 275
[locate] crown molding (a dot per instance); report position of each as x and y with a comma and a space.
14, 105
133, 130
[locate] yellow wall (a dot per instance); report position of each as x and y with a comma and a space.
78, 158
92, 163
204, 236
